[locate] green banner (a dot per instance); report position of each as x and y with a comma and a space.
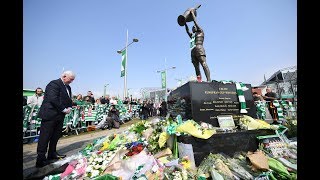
163, 79
123, 63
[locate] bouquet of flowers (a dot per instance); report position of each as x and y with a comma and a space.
139, 127
193, 128
134, 148
177, 173
75, 169
98, 162
153, 142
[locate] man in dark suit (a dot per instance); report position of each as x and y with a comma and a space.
56, 104
164, 108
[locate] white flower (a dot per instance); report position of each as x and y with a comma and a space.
184, 174
97, 166
89, 168
95, 173
99, 159
103, 167
105, 163
176, 175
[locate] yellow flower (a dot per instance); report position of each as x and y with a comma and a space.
186, 164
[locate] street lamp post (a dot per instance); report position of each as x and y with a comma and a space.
179, 82
128, 91
165, 72
105, 90
125, 65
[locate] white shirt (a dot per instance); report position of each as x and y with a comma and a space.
35, 100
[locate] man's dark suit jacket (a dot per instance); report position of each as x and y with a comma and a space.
55, 100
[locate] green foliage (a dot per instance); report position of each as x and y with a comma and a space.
291, 124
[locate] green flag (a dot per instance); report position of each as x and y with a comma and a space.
163, 79
123, 63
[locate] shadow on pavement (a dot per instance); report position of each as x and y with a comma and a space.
31, 172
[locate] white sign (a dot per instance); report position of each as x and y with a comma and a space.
187, 150
226, 121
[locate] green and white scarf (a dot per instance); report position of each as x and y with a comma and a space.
261, 109
291, 108
240, 88
192, 42
279, 109
226, 81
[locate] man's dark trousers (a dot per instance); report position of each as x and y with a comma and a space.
51, 131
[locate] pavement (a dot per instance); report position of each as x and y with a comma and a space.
69, 145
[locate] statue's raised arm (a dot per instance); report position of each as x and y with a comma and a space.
187, 17
187, 30
192, 12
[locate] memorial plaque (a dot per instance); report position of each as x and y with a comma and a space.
204, 101
226, 121
228, 143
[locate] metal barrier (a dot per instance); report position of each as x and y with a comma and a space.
75, 121
31, 122
283, 109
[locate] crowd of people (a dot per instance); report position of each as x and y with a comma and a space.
269, 97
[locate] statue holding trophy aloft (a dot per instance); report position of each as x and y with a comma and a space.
198, 54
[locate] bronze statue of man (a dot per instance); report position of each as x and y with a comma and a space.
198, 54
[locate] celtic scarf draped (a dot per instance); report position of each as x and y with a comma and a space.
240, 88
279, 109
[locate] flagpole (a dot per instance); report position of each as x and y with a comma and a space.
124, 64
125, 70
165, 71
164, 81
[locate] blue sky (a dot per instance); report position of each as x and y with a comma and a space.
244, 40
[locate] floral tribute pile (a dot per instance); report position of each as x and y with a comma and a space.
149, 150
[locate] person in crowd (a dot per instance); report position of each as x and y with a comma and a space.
56, 104
133, 102
113, 101
157, 108
164, 108
126, 100
37, 98
113, 118
97, 101
90, 97
25, 101
270, 96
87, 100
105, 100
79, 100
144, 110
150, 108
257, 97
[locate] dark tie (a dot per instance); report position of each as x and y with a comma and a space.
67, 88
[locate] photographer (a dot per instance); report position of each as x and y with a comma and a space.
113, 119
